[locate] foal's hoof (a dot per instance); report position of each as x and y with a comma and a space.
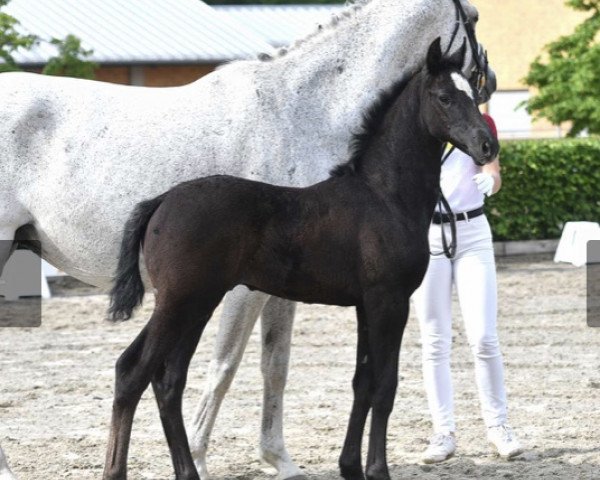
348, 474
379, 477
378, 474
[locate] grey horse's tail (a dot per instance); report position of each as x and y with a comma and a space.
128, 288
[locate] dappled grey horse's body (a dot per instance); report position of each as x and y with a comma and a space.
77, 155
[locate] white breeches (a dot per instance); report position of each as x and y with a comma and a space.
473, 272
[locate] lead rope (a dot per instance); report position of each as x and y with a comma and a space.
448, 249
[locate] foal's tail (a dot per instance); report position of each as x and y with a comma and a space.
128, 288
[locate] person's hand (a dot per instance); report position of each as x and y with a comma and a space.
485, 183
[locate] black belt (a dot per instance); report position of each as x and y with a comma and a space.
446, 218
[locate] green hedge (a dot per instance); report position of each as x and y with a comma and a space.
545, 183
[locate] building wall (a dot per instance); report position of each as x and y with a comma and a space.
113, 74
149, 76
153, 76
514, 33
163, 76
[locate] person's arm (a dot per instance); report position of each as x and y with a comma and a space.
493, 169
489, 180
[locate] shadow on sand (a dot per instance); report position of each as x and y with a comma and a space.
535, 464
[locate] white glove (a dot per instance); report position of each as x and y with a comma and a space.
485, 183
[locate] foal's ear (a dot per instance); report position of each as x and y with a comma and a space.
434, 56
458, 58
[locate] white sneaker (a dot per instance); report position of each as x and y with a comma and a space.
441, 447
504, 442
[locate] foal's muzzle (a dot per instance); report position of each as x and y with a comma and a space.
487, 149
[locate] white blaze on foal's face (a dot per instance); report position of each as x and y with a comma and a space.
462, 84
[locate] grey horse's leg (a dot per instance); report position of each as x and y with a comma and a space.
7, 236
5, 473
277, 323
6, 248
240, 311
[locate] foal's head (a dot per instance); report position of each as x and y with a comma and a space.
449, 109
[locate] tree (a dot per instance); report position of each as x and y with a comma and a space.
70, 61
11, 40
568, 79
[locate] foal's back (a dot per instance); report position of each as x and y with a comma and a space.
308, 244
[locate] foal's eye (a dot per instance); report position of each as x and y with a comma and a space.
445, 100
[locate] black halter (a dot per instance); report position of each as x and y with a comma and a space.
481, 61
481, 68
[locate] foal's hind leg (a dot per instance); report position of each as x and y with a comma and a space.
130, 383
168, 384
277, 323
240, 311
134, 371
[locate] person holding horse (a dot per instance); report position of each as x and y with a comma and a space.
472, 270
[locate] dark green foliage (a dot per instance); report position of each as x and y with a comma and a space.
69, 62
545, 184
11, 40
568, 80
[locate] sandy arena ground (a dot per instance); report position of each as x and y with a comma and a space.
56, 383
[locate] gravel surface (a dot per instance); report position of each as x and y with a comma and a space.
57, 383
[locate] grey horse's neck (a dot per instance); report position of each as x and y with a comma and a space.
359, 53
327, 80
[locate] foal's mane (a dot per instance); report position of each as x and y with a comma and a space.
374, 116
371, 124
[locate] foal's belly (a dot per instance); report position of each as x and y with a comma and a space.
308, 293
328, 285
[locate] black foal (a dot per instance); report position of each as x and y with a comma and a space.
358, 238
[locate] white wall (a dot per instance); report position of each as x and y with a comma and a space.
512, 120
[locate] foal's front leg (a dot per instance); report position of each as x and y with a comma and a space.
350, 459
387, 313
